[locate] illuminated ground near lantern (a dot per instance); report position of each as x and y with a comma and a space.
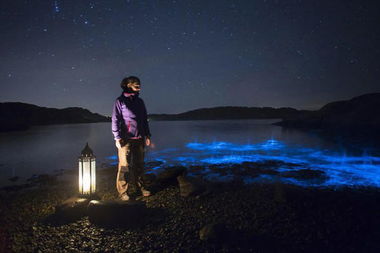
276, 161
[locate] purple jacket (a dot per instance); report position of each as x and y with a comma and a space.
129, 117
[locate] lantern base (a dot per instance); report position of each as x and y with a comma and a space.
92, 196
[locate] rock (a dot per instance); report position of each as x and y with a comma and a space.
71, 209
117, 213
213, 232
169, 176
305, 174
189, 186
73, 202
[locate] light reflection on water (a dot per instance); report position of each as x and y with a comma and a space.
47, 149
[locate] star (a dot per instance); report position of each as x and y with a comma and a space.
56, 7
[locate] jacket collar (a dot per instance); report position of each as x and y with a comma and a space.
130, 95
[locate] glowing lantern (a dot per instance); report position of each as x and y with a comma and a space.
87, 172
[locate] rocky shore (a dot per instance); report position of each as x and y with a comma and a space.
189, 215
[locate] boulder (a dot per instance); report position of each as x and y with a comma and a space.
71, 209
169, 176
117, 213
189, 186
305, 174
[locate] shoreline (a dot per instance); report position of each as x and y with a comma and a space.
269, 217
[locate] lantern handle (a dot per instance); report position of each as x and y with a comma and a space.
87, 151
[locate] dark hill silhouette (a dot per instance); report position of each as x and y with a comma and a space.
359, 114
20, 116
230, 112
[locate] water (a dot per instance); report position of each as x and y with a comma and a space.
213, 144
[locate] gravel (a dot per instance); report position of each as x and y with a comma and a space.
258, 217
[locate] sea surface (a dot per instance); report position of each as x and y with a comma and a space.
52, 149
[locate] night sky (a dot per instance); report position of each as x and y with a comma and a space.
189, 54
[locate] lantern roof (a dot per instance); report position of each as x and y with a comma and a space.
87, 151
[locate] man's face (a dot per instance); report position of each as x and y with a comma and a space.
136, 87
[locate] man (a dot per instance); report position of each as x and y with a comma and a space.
131, 131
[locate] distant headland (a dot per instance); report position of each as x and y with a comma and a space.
231, 112
359, 115
20, 116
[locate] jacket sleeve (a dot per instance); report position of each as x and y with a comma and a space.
145, 121
116, 120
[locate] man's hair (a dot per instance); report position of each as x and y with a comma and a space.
127, 80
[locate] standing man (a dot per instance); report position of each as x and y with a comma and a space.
131, 131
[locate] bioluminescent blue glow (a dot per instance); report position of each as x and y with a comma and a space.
225, 146
230, 159
226, 159
338, 169
112, 157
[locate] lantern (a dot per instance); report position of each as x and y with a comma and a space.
87, 172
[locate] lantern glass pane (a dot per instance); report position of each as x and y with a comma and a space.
93, 175
80, 177
86, 181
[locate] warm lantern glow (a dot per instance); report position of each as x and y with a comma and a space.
87, 172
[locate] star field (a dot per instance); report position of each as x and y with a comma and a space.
189, 54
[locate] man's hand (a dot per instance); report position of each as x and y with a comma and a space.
147, 141
119, 143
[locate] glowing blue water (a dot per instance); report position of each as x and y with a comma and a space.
338, 169
222, 148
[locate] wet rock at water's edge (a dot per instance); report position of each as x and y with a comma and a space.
189, 186
169, 176
305, 174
